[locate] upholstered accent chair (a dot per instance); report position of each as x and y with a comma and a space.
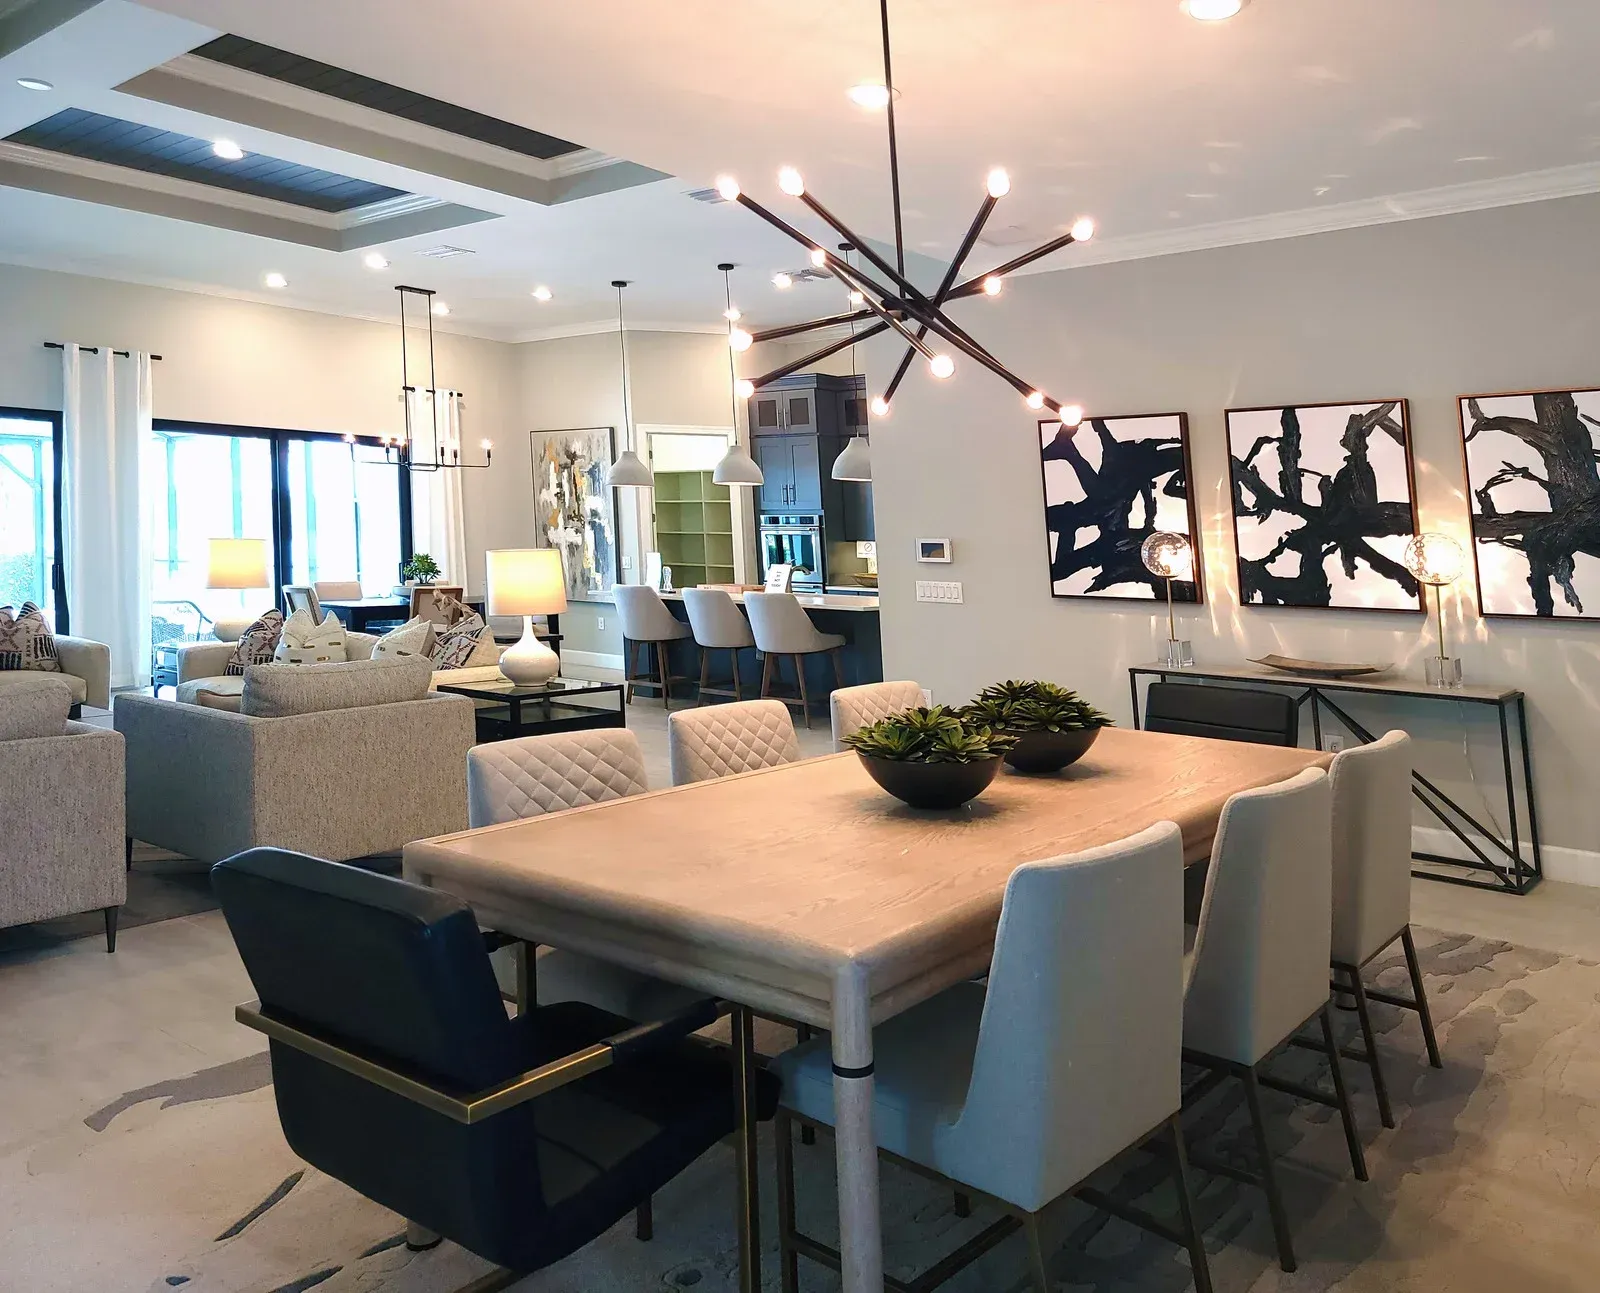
60, 809
1372, 886
856, 707
722, 740
1021, 1092
85, 668
338, 590
346, 760
1255, 972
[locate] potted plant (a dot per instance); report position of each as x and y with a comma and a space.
420, 569
1053, 726
930, 758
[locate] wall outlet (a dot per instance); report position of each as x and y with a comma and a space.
1333, 744
627, 561
927, 697
932, 590
600, 622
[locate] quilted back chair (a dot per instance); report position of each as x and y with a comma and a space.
856, 707
725, 739
1371, 847
1223, 713
533, 775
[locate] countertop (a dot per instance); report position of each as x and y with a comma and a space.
811, 601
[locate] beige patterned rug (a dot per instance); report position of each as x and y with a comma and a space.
1490, 1184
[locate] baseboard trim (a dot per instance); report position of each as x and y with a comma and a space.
1569, 865
592, 660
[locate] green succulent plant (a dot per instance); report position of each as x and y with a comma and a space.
936, 735
421, 567
1037, 706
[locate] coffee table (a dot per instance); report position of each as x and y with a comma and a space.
507, 710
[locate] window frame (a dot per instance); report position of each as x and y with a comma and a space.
58, 571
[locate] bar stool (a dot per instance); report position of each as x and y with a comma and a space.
718, 626
647, 622
782, 628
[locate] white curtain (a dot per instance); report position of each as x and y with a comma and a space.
438, 521
105, 522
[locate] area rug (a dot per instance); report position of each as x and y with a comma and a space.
1490, 1183
161, 886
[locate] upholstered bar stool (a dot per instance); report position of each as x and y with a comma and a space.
782, 628
717, 626
856, 707
647, 623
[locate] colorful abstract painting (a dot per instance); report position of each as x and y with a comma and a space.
576, 509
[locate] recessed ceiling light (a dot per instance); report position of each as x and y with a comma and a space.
375, 260
441, 309
1212, 10
275, 280
870, 95
227, 150
542, 293
34, 83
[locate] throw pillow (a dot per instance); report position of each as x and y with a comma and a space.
256, 644
26, 641
457, 643
413, 638
304, 641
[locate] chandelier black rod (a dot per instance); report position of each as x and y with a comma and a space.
899, 375
818, 355
848, 275
975, 284
894, 151
953, 336
795, 329
906, 286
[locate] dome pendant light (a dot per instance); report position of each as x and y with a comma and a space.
628, 471
736, 467
855, 461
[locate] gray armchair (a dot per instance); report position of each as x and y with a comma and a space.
85, 668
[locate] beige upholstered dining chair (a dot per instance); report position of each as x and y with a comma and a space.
718, 625
647, 623
1022, 1091
1256, 975
1372, 885
856, 707
783, 629
726, 739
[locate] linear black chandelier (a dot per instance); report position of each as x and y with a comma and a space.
903, 307
403, 448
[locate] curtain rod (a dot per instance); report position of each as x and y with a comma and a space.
93, 350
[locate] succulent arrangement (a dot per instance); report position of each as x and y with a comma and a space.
936, 735
1026, 707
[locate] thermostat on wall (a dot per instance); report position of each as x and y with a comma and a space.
933, 549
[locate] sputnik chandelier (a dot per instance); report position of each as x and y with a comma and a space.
902, 307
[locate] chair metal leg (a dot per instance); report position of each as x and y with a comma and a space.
1352, 1137
802, 1035
1194, 1241
1421, 995
805, 699
1269, 1175
110, 914
744, 1079
1380, 1088
644, 1222
1036, 1265
788, 1258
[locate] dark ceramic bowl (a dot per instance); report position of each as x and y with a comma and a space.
931, 785
1049, 751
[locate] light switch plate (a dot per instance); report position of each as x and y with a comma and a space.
600, 622
938, 590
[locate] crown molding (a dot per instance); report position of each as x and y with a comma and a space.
597, 326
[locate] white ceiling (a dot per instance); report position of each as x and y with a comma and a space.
1125, 109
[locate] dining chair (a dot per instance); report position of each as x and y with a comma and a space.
440, 604
703, 744
396, 1070
782, 629
1254, 975
718, 625
1372, 887
646, 622
1021, 1093
1223, 713
338, 590
303, 597
853, 708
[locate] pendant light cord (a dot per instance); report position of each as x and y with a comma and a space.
627, 410
733, 371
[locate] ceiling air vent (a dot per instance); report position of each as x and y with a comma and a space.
705, 195
444, 251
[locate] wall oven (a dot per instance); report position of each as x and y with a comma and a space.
795, 541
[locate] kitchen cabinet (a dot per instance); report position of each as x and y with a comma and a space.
856, 511
791, 466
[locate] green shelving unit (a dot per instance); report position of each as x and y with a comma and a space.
694, 528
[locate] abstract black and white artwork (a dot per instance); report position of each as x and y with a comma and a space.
1533, 473
1109, 484
1323, 505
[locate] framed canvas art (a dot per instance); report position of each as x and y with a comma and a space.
576, 508
1533, 479
1109, 484
1324, 505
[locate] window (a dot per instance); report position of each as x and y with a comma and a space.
30, 499
344, 514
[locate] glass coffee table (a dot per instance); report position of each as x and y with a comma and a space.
507, 710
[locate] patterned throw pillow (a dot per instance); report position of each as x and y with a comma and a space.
304, 641
256, 644
456, 644
26, 641
413, 638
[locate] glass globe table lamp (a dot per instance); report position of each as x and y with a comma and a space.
1437, 560
1170, 556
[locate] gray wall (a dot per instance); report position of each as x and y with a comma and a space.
1507, 299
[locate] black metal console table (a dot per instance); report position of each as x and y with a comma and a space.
1519, 872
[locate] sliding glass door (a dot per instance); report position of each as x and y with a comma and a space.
29, 511
344, 513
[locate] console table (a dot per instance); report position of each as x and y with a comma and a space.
1520, 868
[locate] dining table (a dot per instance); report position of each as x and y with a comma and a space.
804, 892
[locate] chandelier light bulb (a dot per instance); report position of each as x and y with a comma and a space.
732, 314
782, 281
1211, 10
869, 95
739, 339
1035, 400
728, 187
1083, 230
486, 445
541, 293
819, 258
992, 285
999, 182
745, 388
1071, 414
856, 298
879, 406
942, 367
441, 309
790, 181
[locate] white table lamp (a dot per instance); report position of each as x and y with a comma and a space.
527, 582
238, 563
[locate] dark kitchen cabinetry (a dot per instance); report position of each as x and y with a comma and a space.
792, 468
798, 426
